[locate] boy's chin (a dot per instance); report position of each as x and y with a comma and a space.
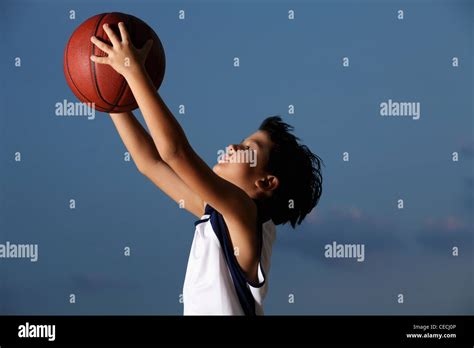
217, 168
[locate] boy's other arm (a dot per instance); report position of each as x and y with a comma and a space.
238, 209
176, 151
149, 162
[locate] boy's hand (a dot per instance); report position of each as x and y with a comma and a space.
122, 56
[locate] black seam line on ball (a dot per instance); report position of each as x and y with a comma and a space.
93, 67
124, 83
69, 73
130, 34
161, 56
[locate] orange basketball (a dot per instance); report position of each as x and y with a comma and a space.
100, 84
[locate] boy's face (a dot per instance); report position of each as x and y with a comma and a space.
244, 164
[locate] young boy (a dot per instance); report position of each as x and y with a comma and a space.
238, 202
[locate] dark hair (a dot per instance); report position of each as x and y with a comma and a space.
298, 171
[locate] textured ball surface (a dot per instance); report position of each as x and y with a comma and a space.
99, 83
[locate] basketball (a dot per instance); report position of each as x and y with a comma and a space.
100, 84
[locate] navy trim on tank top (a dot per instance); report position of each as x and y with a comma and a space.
239, 279
197, 222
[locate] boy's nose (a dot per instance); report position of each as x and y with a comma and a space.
231, 148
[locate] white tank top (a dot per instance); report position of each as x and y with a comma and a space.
214, 283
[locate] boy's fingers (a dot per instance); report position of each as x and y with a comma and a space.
123, 33
100, 60
113, 38
102, 45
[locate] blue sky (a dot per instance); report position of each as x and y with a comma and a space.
283, 62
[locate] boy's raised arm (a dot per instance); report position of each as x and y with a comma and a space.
166, 132
231, 201
148, 161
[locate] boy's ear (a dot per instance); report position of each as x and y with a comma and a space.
268, 183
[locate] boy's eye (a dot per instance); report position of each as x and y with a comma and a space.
245, 146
